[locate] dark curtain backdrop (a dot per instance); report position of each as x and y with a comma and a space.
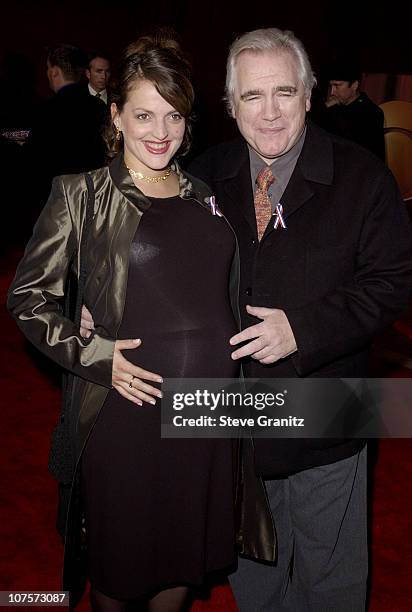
379, 37
385, 87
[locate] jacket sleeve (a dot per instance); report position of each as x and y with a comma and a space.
37, 291
345, 320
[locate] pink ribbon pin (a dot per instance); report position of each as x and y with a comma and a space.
214, 207
279, 220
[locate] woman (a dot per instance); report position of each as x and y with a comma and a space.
158, 513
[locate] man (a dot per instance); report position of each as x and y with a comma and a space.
66, 136
349, 112
325, 263
98, 75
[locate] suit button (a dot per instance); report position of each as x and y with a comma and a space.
248, 291
253, 241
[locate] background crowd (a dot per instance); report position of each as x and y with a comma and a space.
353, 34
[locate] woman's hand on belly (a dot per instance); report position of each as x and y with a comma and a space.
128, 379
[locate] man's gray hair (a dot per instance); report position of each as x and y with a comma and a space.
268, 39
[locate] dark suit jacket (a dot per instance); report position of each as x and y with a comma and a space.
341, 270
66, 138
361, 121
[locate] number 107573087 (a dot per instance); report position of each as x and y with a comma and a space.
34, 598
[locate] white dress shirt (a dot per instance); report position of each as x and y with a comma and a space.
102, 94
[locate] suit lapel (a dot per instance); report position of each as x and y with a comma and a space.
315, 165
296, 194
238, 189
233, 183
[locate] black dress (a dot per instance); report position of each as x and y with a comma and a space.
159, 512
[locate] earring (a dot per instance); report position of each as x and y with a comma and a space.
118, 133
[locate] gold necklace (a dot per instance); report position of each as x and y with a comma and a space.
149, 179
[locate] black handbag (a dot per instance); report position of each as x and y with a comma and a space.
255, 530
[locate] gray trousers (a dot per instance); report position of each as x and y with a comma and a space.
321, 525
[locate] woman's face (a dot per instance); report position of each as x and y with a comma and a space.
152, 129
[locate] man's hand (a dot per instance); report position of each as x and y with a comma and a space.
271, 340
86, 323
331, 101
128, 379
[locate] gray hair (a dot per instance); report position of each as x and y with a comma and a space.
268, 39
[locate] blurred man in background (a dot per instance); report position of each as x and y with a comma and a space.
349, 112
66, 136
98, 75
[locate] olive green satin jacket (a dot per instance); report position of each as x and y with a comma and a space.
35, 300
36, 294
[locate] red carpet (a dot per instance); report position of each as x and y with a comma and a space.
30, 551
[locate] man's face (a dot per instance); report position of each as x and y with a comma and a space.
269, 102
53, 74
98, 73
49, 75
343, 91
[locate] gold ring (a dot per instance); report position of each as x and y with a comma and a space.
131, 382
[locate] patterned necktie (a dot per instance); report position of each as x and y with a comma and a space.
263, 206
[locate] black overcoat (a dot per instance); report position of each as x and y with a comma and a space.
341, 270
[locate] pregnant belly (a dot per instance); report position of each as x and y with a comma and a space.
195, 353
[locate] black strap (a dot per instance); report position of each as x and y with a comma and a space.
68, 379
83, 248
61, 458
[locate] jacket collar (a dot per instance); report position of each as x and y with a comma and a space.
315, 161
124, 182
235, 156
314, 166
